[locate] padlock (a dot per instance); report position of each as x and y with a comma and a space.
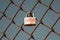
30, 20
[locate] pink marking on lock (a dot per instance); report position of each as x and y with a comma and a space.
29, 21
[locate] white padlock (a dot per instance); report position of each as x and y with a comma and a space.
30, 21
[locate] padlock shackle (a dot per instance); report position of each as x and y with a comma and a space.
29, 14
33, 14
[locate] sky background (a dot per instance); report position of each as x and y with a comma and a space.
39, 10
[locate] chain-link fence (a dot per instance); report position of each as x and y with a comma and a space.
17, 20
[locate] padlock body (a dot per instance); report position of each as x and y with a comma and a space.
29, 21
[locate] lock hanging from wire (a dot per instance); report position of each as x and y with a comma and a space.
30, 20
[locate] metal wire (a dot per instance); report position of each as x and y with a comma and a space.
21, 28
